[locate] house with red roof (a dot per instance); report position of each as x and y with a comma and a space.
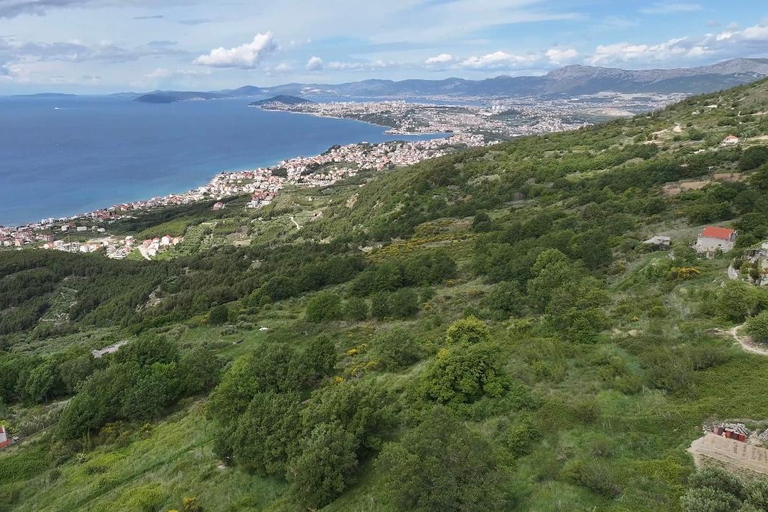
4, 441
715, 238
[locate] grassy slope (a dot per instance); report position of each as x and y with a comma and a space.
593, 409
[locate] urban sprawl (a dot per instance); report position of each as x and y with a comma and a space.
468, 126
86, 233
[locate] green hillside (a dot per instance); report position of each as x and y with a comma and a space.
482, 331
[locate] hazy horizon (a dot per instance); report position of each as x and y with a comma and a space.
102, 46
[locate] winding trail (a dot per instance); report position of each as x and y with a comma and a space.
297, 224
746, 343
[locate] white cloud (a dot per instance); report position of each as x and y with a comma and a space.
361, 66
283, 68
499, 60
164, 73
627, 52
671, 8
727, 44
245, 56
561, 55
315, 64
442, 59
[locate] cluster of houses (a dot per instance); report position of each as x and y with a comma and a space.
154, 246
261, 198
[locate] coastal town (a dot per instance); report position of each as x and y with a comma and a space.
89, 232
497, 118
404, 118
466, 125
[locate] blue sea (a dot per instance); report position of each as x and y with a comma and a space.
68, 155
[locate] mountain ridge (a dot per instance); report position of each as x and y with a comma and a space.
568, 80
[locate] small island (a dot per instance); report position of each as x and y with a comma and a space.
280, 101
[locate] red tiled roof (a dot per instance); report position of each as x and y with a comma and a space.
719, 233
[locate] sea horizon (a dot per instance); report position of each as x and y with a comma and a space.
68, 155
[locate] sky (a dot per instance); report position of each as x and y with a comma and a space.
103, 46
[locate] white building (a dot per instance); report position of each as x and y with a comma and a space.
714, 238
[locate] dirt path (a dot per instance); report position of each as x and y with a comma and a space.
746, 343
297, 224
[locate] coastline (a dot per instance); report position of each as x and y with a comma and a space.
97, 152
390, 129
262, 184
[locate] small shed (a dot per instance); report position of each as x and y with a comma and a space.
659, 241
735, 431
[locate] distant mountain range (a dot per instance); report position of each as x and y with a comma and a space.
567, 81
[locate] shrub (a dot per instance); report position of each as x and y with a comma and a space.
442, 465
757, 327
396, 349
218, 315
593, 475
468, 330
380, 306
356, 309
404, 303
464, 374
324, 307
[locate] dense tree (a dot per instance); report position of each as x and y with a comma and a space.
551, 271
380, 306
753, 157
737, 300
325, 467
268, 432
506, 298
200, 371
155, 389
147, 350
481, 223
74, 371
404, 303
218, 315
441, 465
464, 374
319, 358
324, 307
360, 407
41, 383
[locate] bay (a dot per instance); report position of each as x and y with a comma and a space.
68, 155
